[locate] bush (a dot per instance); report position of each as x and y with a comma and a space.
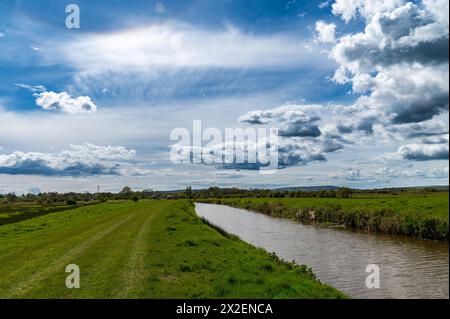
71, 202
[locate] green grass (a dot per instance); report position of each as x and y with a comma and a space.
418, 215
148, 249
15, 212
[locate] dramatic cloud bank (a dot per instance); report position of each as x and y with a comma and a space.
81, 160
399, 63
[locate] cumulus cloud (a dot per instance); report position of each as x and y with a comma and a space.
81, 160
436, 139
381, 175
65, 103
52, 101
256, 117
292, 120
424, 152
392, 173
399, 63
354, 175
426, 129
299, 142
325, 32
349, 9
291, 151
300, 151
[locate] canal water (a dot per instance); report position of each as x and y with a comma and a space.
409, 267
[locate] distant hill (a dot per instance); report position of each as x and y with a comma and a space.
319, 188
307, 188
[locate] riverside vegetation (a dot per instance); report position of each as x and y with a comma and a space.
420, 213
142, 249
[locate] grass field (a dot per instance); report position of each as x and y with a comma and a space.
148, 249
14, 212
421, 215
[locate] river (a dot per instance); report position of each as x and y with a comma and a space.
409, 267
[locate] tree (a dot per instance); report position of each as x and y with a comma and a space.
345, 192
188, 192
126, 190
11, 197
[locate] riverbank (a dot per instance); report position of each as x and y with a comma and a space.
340, 258
148, 249
423, 216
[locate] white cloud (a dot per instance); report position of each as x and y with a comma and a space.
294, 120
160, 8
399, 63
324, 4
34, 190
440, 172
349, 9
32, 88
174, 45
81, 160
63, 102
326, 32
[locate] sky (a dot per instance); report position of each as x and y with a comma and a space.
358, 90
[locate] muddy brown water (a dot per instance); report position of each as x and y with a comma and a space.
409, 267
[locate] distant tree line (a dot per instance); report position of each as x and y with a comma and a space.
213, 192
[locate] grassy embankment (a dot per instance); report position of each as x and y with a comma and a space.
148, 249
418, 215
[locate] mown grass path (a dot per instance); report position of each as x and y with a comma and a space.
149, 249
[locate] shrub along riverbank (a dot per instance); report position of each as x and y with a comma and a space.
423, 216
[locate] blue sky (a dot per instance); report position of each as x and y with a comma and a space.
96, 105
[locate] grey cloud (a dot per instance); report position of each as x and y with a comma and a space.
354, 175
423, 129
301, 130
424, 152
255, 117
399, 62
344, 129
294, 120
438, 139
82, 160
423, 109
403, 40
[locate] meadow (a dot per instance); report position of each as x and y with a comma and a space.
417, 214
18, 211
143, 249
